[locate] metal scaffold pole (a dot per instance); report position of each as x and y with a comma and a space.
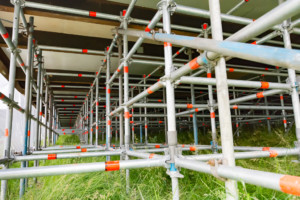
30, 108
38, 115
126, 98
50, 141
236, 113
293, 82
41, 88
11, 88
97, 111
223, 101
27, 96
169, 68
46, 113
86, 119
267, 113
91, 98
121, 116
108, 118
212, 114
165, 118
193, 101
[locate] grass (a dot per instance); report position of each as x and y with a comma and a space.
153, 183
68, 140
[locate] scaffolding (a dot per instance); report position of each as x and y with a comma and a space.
128, 111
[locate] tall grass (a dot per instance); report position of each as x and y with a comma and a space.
68, 140
153, 183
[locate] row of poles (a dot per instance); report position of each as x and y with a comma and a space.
211, 59
50, 115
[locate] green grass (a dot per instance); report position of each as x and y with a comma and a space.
153, 183
68, 140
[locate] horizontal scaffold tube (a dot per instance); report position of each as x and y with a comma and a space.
280, 182
101, 15
184, 148
257, 95
162, 105
225, 17
205, 115
241, 99
242, 107
143, 155
258, 53
29, 172
77, 150
67, 155
69, 86
256, 71
266, 152
66, 146
234, 83
96, 52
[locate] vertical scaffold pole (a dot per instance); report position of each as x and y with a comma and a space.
121, 121
87, 119
38, 97
41, 105
282, 105
236, 114
97, 111
195, 125
146, 120
11, 88
141, 127
223, 101
108, 118
212, 114
116, 129
55, 123
30, 107
172, 133
132, 119
50, 119
293, 82
267, 113
126, 98
91, 96
83, 123
27, 95
46, 114
211, 103
165, 118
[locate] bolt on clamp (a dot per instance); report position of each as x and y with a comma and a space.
214, 168
14, 50
211, 105
286, 25
12, 103
129, 60
208, 62
174, 174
